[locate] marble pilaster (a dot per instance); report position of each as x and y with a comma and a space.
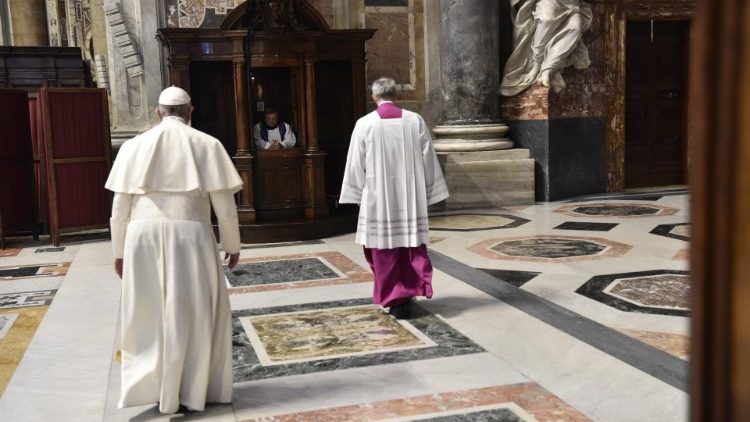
135, 71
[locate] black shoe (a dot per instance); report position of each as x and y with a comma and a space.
401, 311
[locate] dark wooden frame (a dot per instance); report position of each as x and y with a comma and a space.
298, 51
720, 181
39, 162
55, 230
31, 67
616, 15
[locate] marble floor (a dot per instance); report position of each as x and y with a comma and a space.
567, 311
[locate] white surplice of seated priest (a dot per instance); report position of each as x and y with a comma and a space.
271, 133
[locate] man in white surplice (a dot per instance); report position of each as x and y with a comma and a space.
176, 323
393, 173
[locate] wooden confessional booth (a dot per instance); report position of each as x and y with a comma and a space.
279, 54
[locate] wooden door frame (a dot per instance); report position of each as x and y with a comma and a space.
616, 15
720, 179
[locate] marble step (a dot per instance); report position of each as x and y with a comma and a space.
479, 180
503, 154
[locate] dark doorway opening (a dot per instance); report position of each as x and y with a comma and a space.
656, 102
274, 88
335, 105
212, 93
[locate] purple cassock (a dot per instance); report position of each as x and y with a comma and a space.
400, 273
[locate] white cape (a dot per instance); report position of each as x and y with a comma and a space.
173, 157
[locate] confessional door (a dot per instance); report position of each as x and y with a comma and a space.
336, 119
212, 94
275, 88
656, 103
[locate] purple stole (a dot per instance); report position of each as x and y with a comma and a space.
389, 111
264, 130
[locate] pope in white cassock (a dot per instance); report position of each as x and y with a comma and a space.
176, 326
392, 172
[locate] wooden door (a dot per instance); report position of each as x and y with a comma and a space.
656, 103
212, 94
78, 158
277, 175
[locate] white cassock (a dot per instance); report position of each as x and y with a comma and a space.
392, 171
176, 322
289, 140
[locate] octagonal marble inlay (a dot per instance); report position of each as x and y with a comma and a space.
664, 292
627, 210
547, 248
475, 222
669, 291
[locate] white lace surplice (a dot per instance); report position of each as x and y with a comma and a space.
392, 171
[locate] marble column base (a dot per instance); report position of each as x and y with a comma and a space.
486, 179
466, 138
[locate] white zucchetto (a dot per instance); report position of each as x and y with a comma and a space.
174, 96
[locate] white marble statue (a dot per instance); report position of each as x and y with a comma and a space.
547, 38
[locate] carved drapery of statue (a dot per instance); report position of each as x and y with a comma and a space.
547, 38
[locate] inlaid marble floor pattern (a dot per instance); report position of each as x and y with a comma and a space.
569, 311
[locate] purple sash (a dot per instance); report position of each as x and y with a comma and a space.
264, 130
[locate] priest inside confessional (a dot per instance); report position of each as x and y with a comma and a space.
272, 130
273, 133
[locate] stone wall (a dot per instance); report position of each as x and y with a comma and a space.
29, 22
